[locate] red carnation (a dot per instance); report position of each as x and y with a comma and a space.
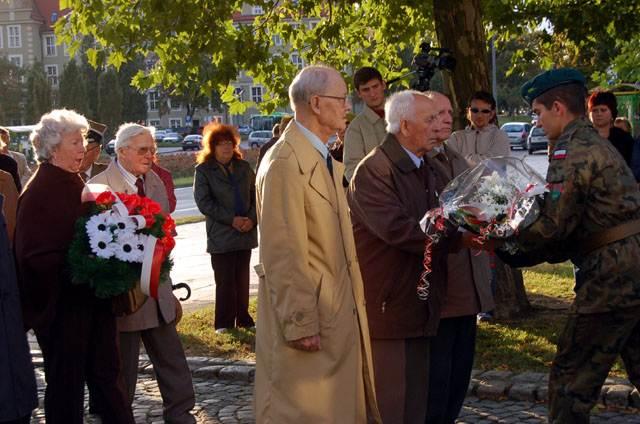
106, 198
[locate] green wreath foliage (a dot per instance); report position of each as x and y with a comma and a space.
108, 277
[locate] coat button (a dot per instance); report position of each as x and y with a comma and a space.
298, 317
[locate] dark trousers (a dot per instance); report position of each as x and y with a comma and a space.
401, 367
23, 420
587, 348
165, 351
231, 272
451, 360
81, 341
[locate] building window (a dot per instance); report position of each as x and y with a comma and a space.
257, 10
16, 59
297, 60
175, 104
14, 36
153, 100
277, 40
52, 74
154, 122
65, 50
175, 122
50, 45
1, 38
256, 94
237, 92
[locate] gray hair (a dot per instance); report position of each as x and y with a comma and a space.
52, 126
310, 80
129, 130
400, 107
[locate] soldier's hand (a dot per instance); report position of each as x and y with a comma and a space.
308, 344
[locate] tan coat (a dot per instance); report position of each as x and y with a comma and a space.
147, 316
10, 193
477, 145
23, 167
364, 133
310, 283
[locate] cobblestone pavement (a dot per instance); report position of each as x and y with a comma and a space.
227, 401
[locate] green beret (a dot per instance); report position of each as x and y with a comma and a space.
545, 81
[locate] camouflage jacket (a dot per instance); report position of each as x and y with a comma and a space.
590, 190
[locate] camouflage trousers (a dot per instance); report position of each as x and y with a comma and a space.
587, 348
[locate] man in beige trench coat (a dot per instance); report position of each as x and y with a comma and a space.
313, 355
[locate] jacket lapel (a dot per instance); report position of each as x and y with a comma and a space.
311, 162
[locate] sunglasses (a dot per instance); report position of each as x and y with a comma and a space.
143, 151
476, 110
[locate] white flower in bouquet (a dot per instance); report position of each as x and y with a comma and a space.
102, 244
494, 195
121, 224
98, 224
126, 248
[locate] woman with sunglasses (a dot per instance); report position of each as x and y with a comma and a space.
482, 139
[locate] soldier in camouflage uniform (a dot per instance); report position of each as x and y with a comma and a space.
591, 216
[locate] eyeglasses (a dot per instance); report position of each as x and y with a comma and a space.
143, 151
342, 99
476, 110
92, 146
224, 143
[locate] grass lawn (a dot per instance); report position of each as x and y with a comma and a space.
524, 344
183, 181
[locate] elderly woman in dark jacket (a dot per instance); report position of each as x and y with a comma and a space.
224, 189
75, 330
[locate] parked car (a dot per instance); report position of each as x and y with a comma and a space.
258, 138
244, 129
192, 142
172, 137
159, 135
517, 133
110, 147
537, 140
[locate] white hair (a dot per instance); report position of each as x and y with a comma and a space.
311, 80
52, 126
400, 107
129, 130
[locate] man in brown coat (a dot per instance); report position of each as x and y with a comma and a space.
468, 292
390, 192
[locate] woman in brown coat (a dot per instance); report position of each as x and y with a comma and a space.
75, 330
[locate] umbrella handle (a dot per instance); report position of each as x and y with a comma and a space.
182, 286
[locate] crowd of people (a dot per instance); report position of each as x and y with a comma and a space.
342, 335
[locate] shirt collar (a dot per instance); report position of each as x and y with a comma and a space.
315, 140
415, 159
128, 176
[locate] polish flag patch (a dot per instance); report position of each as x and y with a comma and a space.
559, 154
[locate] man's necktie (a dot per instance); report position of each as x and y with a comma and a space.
140, 186
330, 164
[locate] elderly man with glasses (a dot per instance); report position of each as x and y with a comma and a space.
313, 354
155, 322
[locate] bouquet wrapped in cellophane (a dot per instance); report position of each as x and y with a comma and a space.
494, 199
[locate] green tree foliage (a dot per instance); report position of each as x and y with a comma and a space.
201, 46
11, 87
73, 89
109, 100
39, 94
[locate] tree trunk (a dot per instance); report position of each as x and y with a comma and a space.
459, 26
511, 297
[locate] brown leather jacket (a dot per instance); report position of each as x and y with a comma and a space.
388, 196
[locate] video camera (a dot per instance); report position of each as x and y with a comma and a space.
427, 61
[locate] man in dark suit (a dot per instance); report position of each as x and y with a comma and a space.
89, 168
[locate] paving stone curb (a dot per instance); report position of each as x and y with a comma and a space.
489, 385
